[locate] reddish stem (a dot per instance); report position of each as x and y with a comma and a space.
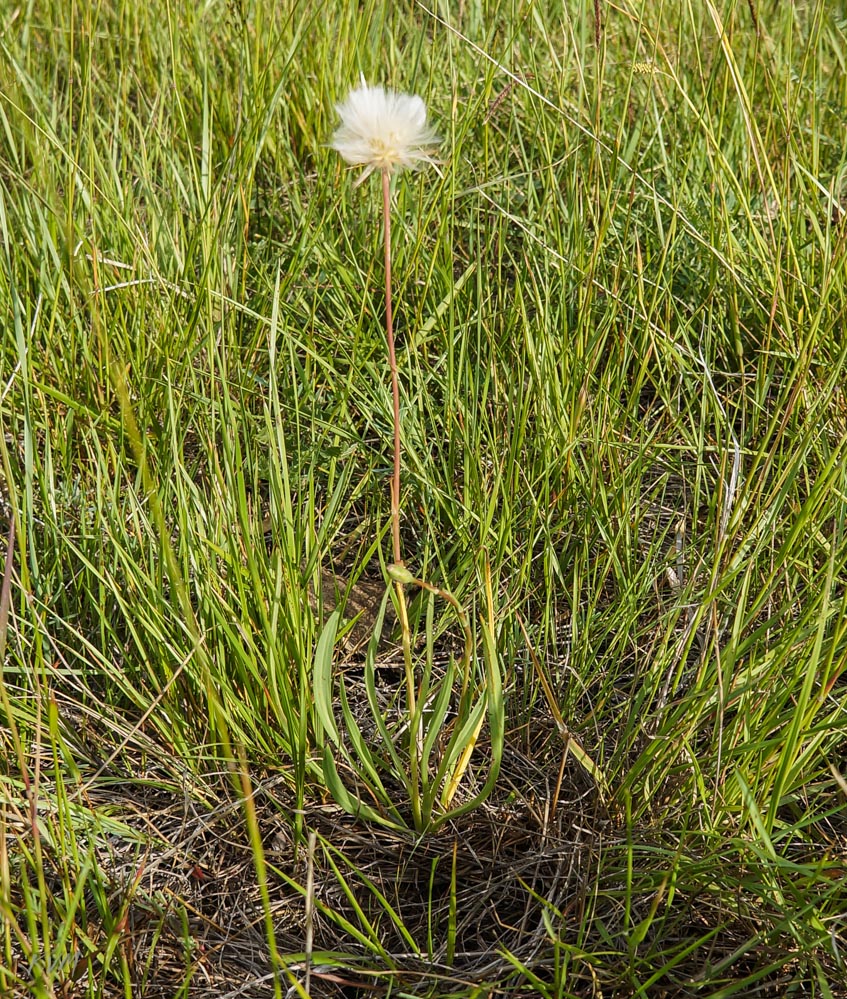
416, 734
392, 360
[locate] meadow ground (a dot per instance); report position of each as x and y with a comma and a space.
620, 306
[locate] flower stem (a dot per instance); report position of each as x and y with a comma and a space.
392, 360
415, 741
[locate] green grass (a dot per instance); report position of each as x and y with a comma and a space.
620, 310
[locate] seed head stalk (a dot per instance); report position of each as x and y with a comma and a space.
411, 693
392, 360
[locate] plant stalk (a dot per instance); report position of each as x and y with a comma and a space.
392, 360
415, 735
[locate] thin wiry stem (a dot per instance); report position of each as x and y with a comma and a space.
411, 694
392, 360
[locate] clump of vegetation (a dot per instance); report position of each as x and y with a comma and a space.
619, 367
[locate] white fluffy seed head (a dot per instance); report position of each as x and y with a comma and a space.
385, 131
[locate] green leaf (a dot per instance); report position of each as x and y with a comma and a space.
322, 680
